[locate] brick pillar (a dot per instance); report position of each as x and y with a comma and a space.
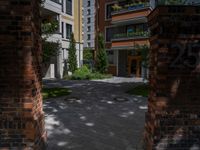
21, 114
173, 117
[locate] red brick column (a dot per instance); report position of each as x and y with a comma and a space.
173, 117
21, 114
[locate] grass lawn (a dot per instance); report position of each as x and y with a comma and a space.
54, 92
140, 90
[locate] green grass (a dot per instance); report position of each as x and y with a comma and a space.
54, 92
140, 90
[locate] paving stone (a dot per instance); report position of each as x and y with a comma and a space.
96, 122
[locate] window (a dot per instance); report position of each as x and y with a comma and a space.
109, 10
62, 29
68, 31
57, 1
69, 7
88, 37
88, 44
110, 57
62, 5
88, 3
139, 27
88, 12
109, 33
88, 28
88, 20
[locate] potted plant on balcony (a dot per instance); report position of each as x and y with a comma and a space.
116, 7
171, 2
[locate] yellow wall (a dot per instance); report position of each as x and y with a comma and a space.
78, 20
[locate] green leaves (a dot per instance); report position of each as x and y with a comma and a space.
49, 28
49, 49
54, 92
144, 52
102, 59
87, 54
72, 59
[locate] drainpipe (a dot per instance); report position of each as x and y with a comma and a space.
79, 32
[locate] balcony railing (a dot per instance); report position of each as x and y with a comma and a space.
175, 2
142, 34
130, 7
56, 1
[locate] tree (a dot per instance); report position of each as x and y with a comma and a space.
65, 69
49, 48
144, 52
88, 54
88, 58
102, 59
72, 58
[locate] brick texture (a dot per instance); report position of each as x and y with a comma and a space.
21, 114
173, 117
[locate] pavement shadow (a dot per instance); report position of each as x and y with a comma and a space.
91, 118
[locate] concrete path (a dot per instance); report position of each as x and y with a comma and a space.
94, 117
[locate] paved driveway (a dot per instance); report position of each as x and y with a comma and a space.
94, 116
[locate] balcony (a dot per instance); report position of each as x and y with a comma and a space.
132, 35
132, 13
177, 2
53, 6
130, 40
56, 1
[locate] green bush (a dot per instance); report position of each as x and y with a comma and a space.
72, 59
84, 73
97, 75
102, 58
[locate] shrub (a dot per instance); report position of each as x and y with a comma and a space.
102, 58
88, 54
82, 73
97, 75
49, 50
72, 59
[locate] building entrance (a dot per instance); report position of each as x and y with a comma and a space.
134, 66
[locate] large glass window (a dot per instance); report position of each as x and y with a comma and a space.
88, 3
69, 7
88, 28
109, 33
62, 5
88, 12
88, 37
110, 57
109, 10
62, 29
57, 1
68, 30
88, 20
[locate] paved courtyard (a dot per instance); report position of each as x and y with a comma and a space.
98, 115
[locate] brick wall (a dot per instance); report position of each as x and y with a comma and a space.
173, 117
21, 114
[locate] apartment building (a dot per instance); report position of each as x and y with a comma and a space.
124, 25
69, 15
89, 23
